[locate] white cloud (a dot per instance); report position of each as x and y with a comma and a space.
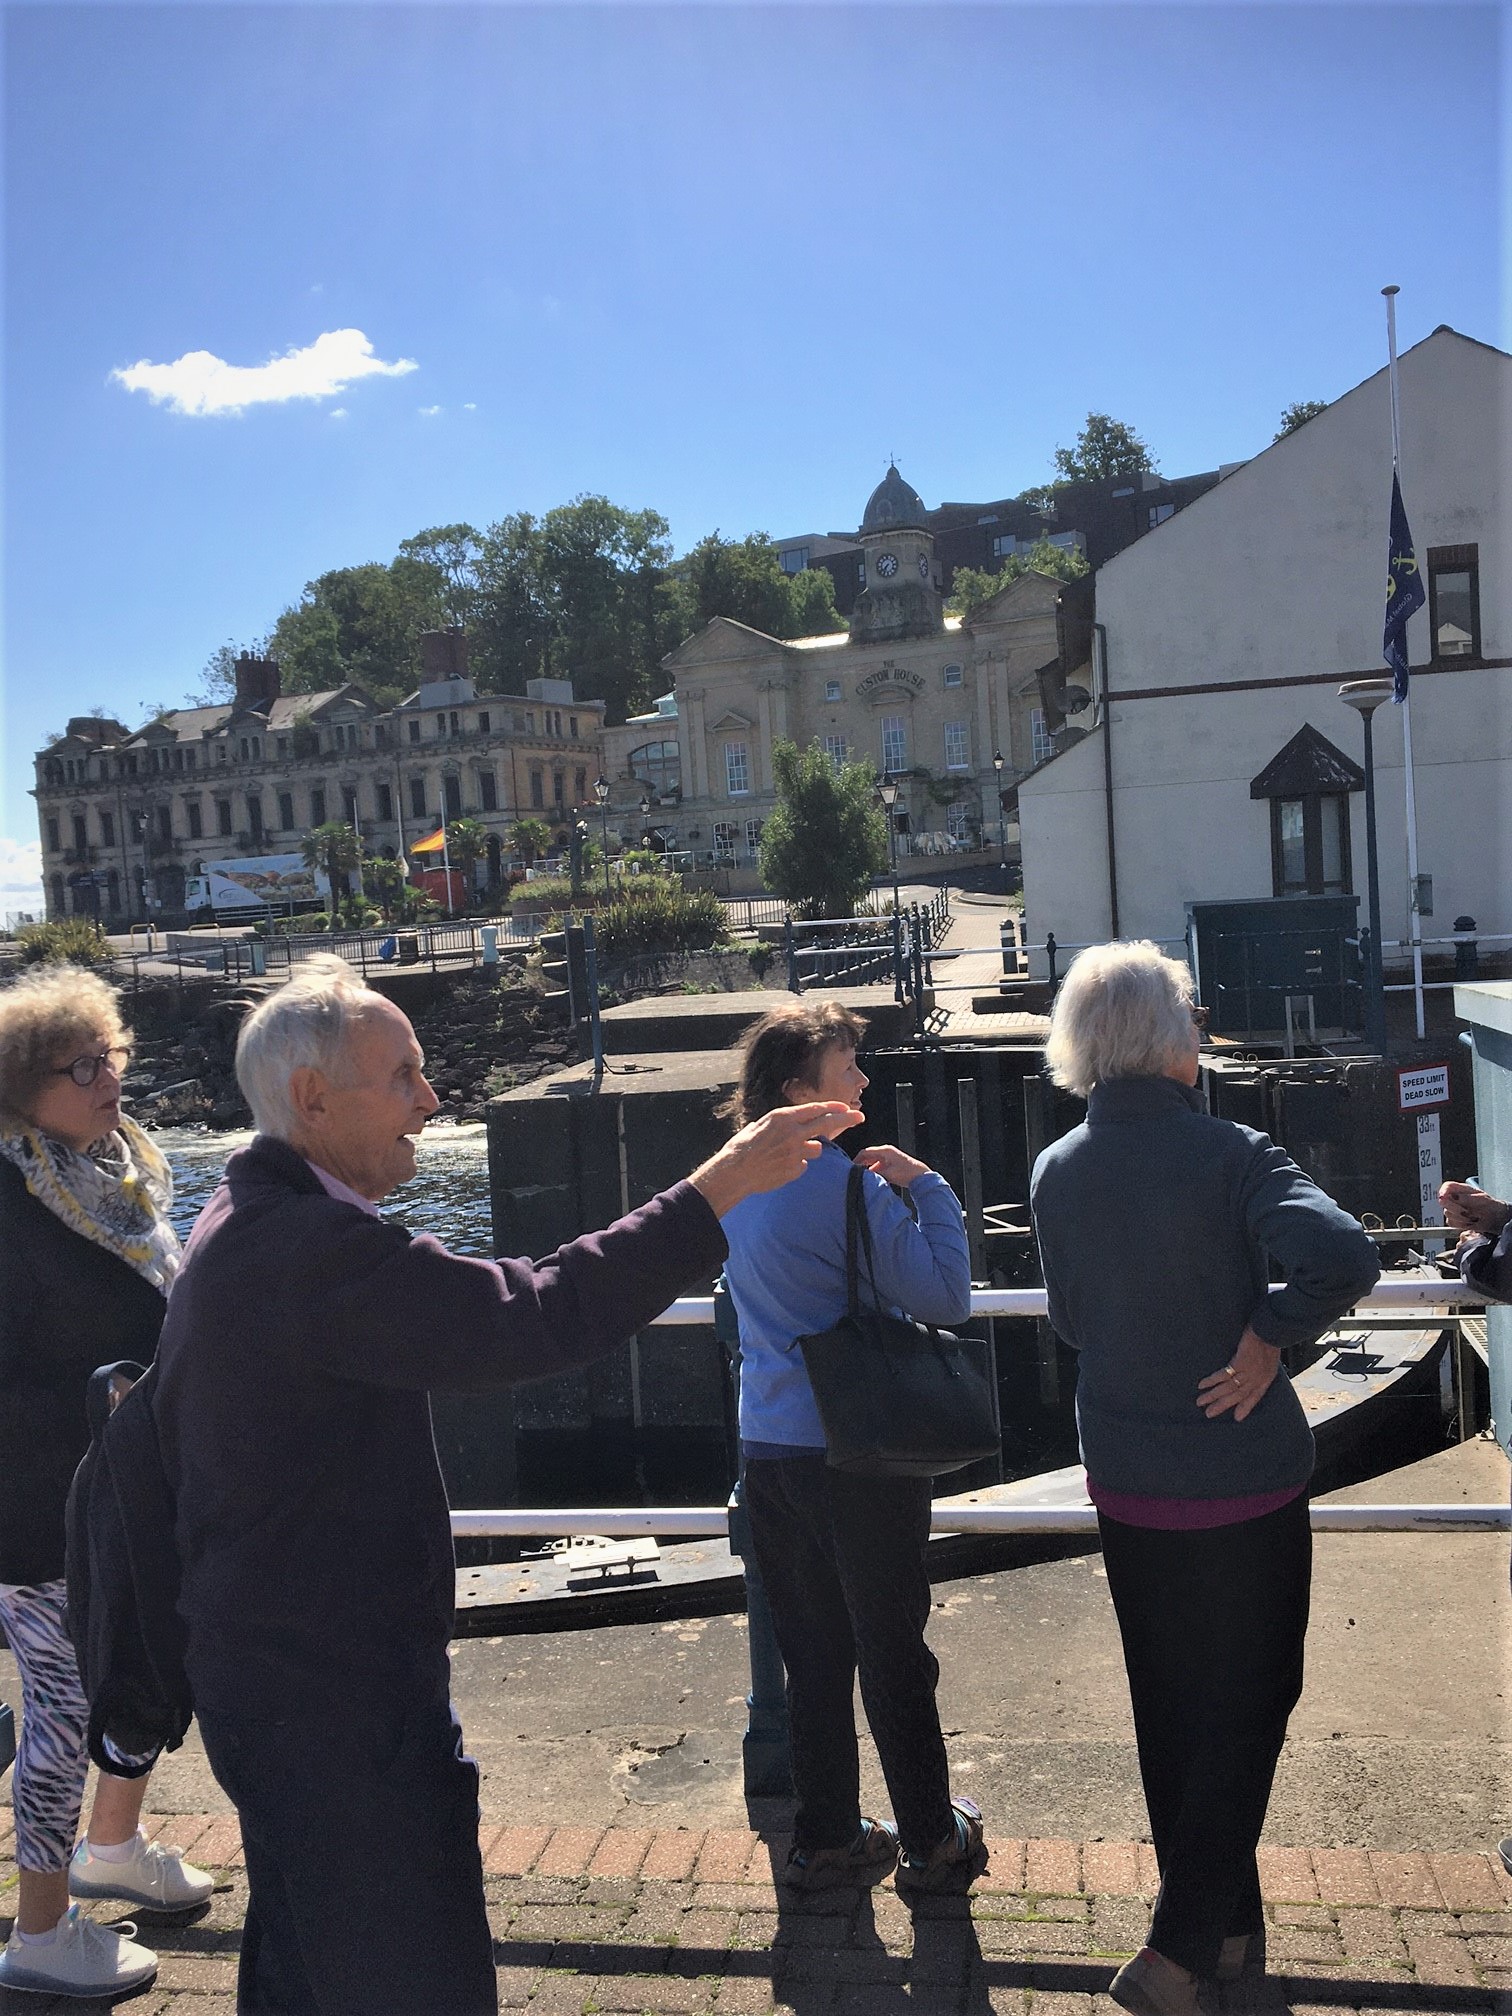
21, 875
469, 405
338, 413
201, 383
429, 412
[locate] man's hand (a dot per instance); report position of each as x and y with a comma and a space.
1467, 1209
771, 1152
892, 1165
1244, 1382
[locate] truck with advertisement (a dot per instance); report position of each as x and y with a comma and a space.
274, 885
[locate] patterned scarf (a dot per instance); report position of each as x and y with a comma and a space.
117, 1193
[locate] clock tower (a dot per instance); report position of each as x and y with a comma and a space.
900, 598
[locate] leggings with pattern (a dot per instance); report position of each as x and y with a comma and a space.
52, 1757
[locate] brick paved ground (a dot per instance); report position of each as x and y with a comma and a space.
682, 1923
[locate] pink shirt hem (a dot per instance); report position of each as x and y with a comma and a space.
1187, 1515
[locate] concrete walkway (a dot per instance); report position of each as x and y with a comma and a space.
679, 1922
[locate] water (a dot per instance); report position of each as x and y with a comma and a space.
448, 1196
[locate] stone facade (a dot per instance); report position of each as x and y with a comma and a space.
125, 817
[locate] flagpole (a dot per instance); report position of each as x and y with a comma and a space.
1414, 919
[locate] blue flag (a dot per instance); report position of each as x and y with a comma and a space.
1404, 592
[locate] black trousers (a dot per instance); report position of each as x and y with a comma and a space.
366, 1885
842, 1562
1213, 1626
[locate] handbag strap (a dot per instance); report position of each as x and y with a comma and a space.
858, 1232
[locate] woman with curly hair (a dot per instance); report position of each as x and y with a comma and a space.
87, 1255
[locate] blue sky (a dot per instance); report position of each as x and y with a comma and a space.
721, 260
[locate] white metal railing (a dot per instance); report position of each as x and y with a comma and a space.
1387, 1298
702, 1522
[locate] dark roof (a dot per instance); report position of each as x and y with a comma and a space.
892, 503
1309, 762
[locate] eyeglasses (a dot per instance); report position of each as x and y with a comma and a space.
85, 1070
1199, 1016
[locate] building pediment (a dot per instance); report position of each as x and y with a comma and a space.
721, 638
1308, 763
730, 720
1026, 595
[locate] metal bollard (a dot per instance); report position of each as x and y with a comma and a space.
1008, 940
790, 947
1466, 949
1050, 957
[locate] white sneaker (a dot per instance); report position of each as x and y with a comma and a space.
154, 1877
83, 1959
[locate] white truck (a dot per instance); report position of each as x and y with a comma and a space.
267, 885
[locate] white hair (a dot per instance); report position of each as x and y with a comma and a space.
1123, 1011
307, 1022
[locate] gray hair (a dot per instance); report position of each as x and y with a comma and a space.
307, 1022
1123, 1011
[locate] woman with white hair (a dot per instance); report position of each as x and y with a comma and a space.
1158, 1228
87, 1255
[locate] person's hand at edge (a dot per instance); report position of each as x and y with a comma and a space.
1243, 1382
771, 1152
1467, 1209
893, 1165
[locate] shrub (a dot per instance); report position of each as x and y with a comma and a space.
653, 916
70, 941
761, 956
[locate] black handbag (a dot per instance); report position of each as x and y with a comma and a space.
897, 1398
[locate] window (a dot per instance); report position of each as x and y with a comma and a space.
223, 816
80, 833
456, 722
196, 820
414, 730
737, 769
417, 796
483, 724
894, 743
724, 840
58, 902
440, 724
254, 816
752, 836
794, 559
380, 736
957, 753
318, 806
244, 751
286, 811
1310, 845
658, 767
572, 726
1454, 601
385, 802
832, 689
1003, 545
956, 821
189, 759
451, 796
488, 791
283, 745
54, 840
1158, 514
107, 829
952, 675
558, 787
537, 790
349, 804
580, 787
836, 749
1041, 741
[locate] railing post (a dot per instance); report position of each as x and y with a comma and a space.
918, 973
595, 1026
790, 947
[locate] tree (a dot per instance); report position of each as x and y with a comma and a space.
826, 837
467, 843
1298, 414
743, 580
530, 839
335, 848
442, 565
217, 682
972, 586
1105, 447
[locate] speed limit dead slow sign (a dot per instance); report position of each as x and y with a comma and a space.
1424, 1086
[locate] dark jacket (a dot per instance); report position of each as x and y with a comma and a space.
1487, 1264
66, 1306
1155, 1225
302, 1336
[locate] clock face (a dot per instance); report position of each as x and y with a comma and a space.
887, 565
924, 565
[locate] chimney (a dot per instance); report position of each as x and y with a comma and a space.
443, 656
257, 680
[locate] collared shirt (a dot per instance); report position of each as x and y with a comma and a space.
333, 1187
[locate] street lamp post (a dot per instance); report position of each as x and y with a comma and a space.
601, 792
997, 771
888, 791
1365, 695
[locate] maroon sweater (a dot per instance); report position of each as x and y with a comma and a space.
301, 1340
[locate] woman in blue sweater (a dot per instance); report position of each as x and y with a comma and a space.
1157, 1227
842, 1556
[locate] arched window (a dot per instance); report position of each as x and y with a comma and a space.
657, 766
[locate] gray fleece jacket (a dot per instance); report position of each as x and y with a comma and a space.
1155, 1225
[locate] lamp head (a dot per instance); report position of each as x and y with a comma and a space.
1365, 695
997, 761
888, 789
601, 790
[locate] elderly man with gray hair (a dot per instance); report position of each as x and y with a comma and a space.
1158, 1226
301, 1340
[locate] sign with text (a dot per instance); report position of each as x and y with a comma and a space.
1423, 1086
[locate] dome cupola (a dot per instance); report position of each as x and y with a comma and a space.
893, 503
